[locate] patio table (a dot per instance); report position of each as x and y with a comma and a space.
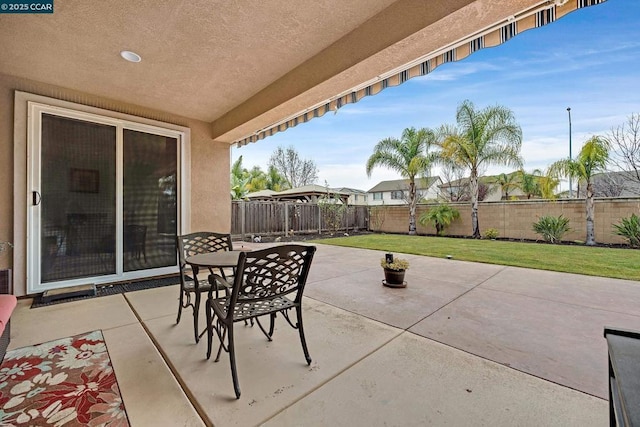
213, 260
210, 260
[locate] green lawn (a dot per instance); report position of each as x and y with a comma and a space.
606, 262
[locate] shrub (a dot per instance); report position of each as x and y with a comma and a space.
440, 217
491, 233
332, 210
398, 264
377, 216
629, 228
552, 228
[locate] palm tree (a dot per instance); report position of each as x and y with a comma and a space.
440, 217
547, 184
275, 180
593, 158
407, 156
482, 138
529, 183
507, 182
239, 180
257, 179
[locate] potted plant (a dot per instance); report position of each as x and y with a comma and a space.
394, 270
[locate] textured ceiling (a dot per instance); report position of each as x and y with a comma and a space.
239, 65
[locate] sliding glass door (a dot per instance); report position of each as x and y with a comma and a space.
78, 199
105, 201
150, 200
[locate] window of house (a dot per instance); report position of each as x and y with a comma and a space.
398, 194
377, 196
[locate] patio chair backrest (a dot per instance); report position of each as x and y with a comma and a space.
273, 272
202, 242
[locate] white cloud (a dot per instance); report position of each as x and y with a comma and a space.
456, 70
354, 175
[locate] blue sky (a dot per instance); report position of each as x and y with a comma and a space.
588, 60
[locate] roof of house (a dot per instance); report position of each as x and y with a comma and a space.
630, 185
349, 190
489, 179
403, 184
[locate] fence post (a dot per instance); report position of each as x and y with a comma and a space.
345, 218
242, 219
286, 219
319, 219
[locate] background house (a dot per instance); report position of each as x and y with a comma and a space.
356, 197
396, 192
612, 184
491, 189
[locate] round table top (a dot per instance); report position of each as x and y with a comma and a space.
215, 259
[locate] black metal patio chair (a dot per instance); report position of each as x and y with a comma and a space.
267, 282
193, 244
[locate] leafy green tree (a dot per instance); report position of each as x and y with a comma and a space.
409, 157
592, 159
507, 183
275, 180
547, 184
239, 180
238, 188
257, 179
244, 181
440, 217
481, 138
529, 183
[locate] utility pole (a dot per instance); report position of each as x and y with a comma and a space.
570, 158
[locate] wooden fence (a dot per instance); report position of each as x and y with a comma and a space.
285, 218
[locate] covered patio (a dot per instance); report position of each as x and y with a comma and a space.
203, 77
463, 344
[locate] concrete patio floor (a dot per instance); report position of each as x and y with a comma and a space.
463, 344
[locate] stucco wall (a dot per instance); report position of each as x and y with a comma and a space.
210, 201
514, 219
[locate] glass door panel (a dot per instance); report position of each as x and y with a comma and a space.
149, 200
78, 189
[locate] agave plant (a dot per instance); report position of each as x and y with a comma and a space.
629, 228
552, 228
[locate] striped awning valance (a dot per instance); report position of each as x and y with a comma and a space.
538, 16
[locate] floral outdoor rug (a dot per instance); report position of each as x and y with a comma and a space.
66, 382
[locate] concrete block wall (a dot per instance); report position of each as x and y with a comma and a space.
514, 219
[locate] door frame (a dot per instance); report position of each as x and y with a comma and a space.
28, 109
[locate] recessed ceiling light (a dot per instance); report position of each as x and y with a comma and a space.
130, 56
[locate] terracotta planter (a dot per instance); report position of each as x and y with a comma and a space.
394, 278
